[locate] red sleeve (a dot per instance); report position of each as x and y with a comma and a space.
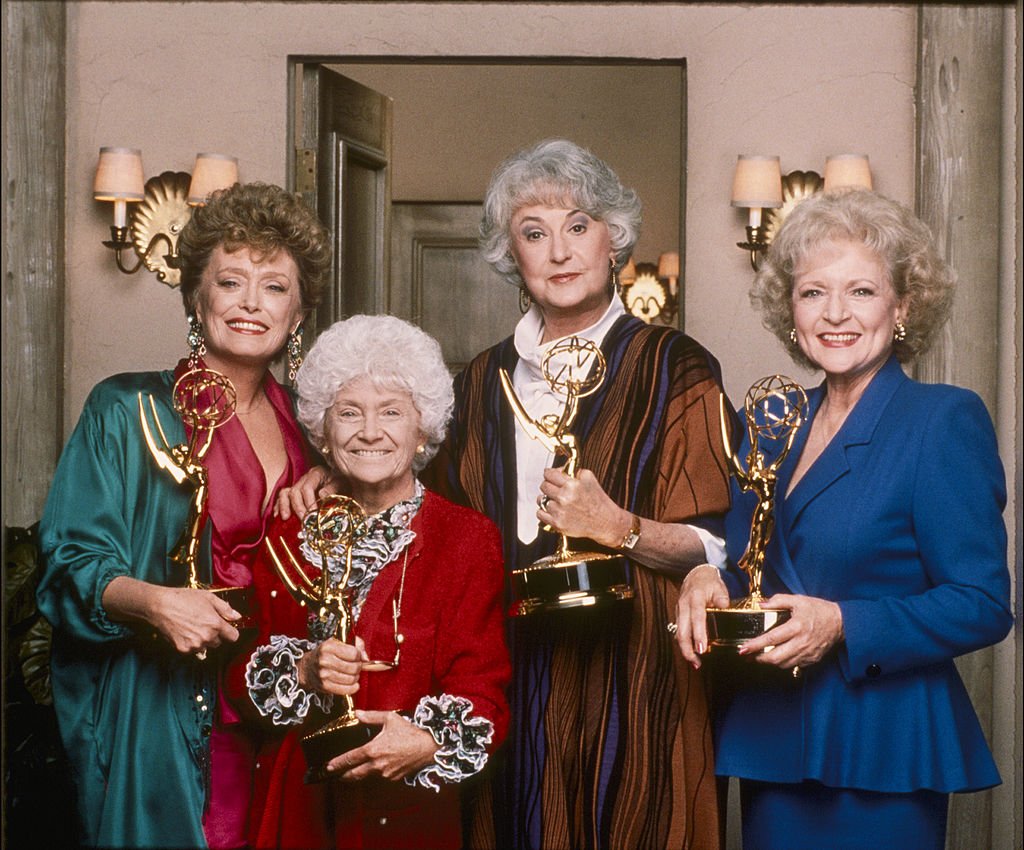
473, 660
273, 612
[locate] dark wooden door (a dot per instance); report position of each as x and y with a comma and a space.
439, 280
345, 156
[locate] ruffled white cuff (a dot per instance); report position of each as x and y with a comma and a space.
462, 739
272, 677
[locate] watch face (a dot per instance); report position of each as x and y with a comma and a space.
632, 536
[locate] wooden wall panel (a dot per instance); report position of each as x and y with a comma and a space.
959, 144
33, 253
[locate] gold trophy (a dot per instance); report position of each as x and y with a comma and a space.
774, 409
331, 530
205, 399
574, 368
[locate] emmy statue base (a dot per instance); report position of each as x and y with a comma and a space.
330, 741
240, 599
572, 580
730, 628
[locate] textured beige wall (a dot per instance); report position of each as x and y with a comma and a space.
799, 81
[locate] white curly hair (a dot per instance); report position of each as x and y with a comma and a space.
394, 354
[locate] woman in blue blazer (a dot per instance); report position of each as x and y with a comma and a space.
889, 551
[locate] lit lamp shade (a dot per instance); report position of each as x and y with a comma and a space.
847, 170
119, 178
668, 264
757, 182
212, 171
668, 269
119, 175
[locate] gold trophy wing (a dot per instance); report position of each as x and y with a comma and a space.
532, 428
161, 455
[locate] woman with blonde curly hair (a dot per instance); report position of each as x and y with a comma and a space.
889, 552
159, 757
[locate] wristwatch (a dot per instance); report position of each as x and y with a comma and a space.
632, 536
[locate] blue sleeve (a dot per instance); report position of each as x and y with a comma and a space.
959, 494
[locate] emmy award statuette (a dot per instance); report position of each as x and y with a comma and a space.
331, 531
774, 408
205, 400
573, 368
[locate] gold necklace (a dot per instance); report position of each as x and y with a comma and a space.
396, 613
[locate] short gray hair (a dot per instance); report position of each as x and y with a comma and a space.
390, 352
556, 171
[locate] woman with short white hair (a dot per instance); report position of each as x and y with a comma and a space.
425, 589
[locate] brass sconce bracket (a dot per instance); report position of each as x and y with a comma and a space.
157, 223
796, 186
649, 296
755, 244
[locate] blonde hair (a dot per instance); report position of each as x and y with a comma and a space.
920, 277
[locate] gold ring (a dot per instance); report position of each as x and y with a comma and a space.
672, 628
544, 502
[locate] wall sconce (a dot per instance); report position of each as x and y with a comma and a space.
164, 205
756, 185
841, 171
651, 291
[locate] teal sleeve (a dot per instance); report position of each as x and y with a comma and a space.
110, 512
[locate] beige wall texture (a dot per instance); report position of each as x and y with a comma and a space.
798, 81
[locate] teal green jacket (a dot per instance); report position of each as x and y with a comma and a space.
134, 715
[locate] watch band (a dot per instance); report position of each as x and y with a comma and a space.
632, 536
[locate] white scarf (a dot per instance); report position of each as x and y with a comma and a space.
536, 396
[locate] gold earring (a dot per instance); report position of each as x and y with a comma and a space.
524, 299
294, 352
792, 336
899, 331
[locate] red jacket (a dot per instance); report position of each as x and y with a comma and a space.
454, 642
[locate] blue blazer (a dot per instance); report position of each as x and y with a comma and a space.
900, 522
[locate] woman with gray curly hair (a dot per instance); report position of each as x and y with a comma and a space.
425, 589
609, 744
610, 741
889, 552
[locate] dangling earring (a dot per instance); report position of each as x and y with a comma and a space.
792, 336
616, 286
899, 331
524, 299
196, 341
294, 352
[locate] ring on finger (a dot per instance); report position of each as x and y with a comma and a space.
544, 502
672, 628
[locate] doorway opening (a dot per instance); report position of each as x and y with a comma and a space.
447, 124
